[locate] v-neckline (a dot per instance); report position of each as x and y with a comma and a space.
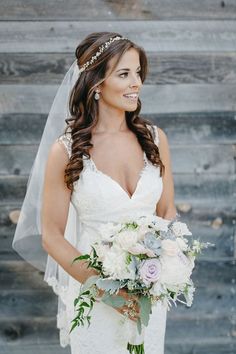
130, 197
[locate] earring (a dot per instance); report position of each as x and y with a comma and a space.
97, 96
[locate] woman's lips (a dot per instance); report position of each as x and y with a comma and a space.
132, 97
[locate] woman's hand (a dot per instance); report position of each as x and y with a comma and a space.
132, 309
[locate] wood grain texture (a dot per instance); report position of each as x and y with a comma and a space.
193, 128
36, 348
164, 68
154, 36
172, 346
180, 98
204, 159
113, 10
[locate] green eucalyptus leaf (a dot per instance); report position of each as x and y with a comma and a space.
88, 283
145, 309
108, 285
113, 300
73, 326
84, 256
139, 325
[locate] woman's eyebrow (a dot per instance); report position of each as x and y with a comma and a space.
127, 69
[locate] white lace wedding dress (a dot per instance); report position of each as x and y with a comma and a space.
100, 199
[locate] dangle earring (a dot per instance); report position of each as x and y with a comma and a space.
97, 96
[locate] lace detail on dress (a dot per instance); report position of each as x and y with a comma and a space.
65, 140
154, 131
63, 322
94, 168
156, 138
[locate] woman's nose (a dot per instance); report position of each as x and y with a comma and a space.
136, 80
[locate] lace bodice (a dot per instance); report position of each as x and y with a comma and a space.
99, 198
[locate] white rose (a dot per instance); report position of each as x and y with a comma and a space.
141, 231
160, 224
101, 251
169, 247
156, 289
145, 220
175, 270
182, 243
140, 249
127, 239
108, 231
114, 266
180, 229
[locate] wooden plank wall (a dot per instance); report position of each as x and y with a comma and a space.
190, 92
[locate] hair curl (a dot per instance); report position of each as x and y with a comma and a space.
84, 109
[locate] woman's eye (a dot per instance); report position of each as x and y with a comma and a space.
138, 72
123, 74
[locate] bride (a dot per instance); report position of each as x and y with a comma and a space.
107, 164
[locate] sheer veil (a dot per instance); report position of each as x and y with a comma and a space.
27, 240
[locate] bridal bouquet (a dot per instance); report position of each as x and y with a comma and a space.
151, 258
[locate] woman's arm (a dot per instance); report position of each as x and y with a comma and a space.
166, 205
55, 208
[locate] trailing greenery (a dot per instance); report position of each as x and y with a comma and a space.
136, 349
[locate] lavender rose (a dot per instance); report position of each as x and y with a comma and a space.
150, 270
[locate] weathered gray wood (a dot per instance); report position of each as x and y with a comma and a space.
170, 68
155, 98
199, 345
189, 128
186, 68
177, 346
28, 330
187, 98
197, 127
27, 303
165, 36
18, 159
20, 275
214, 187
111, 10
217, 188
22, 128
36, 348
201, 329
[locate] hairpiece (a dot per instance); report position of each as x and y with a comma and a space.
99, 52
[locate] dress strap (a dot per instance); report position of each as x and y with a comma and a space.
154, 131
156, 135
65, 140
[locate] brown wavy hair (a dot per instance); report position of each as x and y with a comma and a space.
84, 108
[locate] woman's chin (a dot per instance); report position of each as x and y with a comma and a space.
131, 107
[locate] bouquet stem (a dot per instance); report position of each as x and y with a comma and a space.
136, 349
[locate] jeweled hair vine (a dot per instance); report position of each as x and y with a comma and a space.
100, 51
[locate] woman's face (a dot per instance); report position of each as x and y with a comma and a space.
121, 88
